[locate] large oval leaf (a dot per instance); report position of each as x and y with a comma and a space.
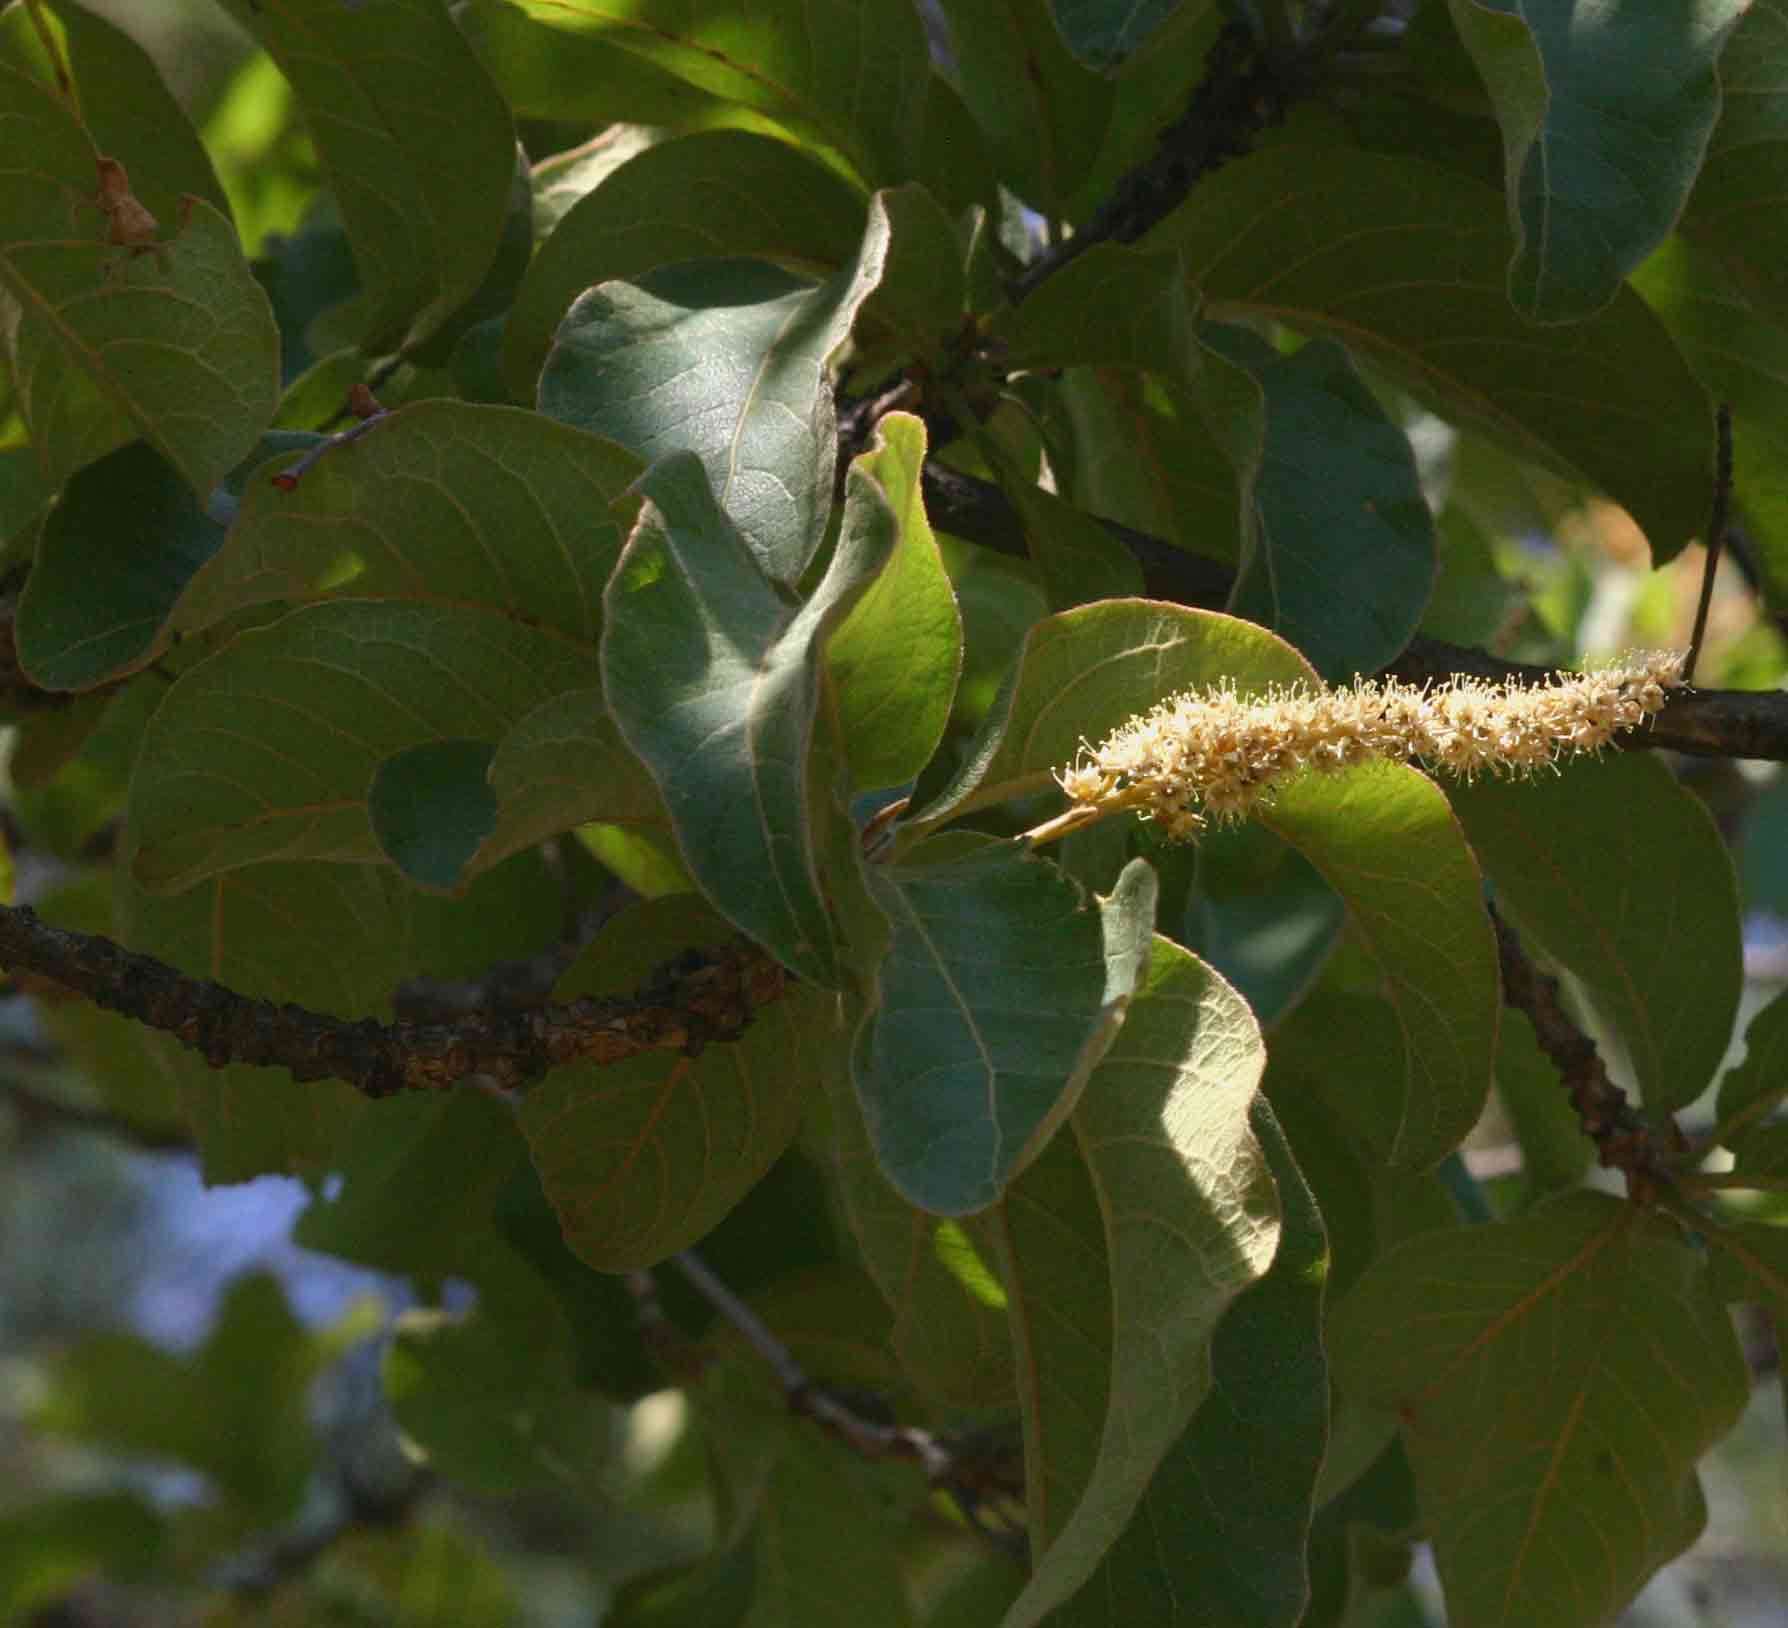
706, 196
1384, 838
995, 999
441, 501
1085, 671
1557, 1378
1576, 862
417, 145
1124, 1247
176, 344
727, 359
851, 73
268, 749
642, 1158
1605, 117
714, 679
1404, 262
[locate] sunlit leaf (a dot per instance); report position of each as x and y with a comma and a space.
714, 194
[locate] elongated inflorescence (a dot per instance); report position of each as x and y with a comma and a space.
1213, 755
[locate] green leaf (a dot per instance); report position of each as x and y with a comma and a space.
1749, 1087
487, 1396
431, 806
1113, 306
1083, 672
1422, 924
176, 343
562, 765
1344, 557
1748, 1261
728, 359
1042, 112
237, 1409
114, 557
418, 1177
950, 1331
895, 659
1741, 356
1403, 262
711, 195
1235, 1560
1102, 33
996, 998
268, 749
1604, 126
329, 937
642, 1158
919, 300
51, 1547
127, 107
1555, 1152
417, 146
1574, 857
1125, 1246
1262, 916
443, 500
714, 679
1592, 1324
1735, 209
850, 73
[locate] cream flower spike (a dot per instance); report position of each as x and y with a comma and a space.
1212, 756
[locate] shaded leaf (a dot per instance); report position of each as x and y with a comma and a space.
1112, 306
1114, 1301
268, 749
1102, 33
851, 74
714, 679
895, 658
1422, 924
1404, 262
1042, 112
995, 1000
1741, 356
1557, 1376
950, 1331
918, 303
329, 937
643, 1157
1750, 1087
1574, 857
176, 344
714, 194
1083, 672
415, 141
403, 1155
1235, 1562
563, 765
727, 359
431, 807
1343, 559
1736, 206
1604, 124
442, 500
1748, 1261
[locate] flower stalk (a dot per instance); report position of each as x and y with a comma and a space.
1214, 756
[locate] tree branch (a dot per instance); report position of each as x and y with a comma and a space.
702, 995
1699, 723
